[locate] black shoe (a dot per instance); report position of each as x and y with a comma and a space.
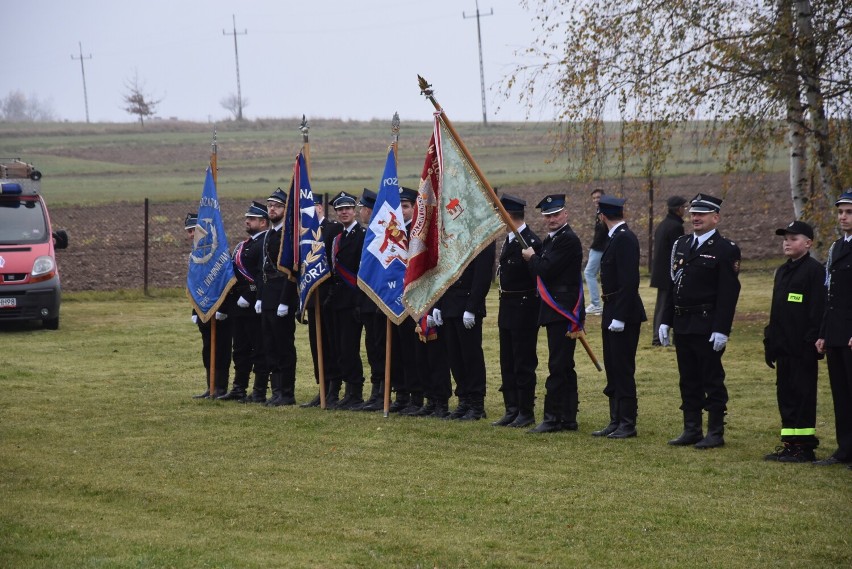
523, 420
687, 438
276, 401
377, 405
570, 425
507, 419
830, 461
398, 405
205, 395
315, 402
547, 427
412, 410
442, 411
234, 395
798, 453
459, 411
710, 441
475, 413
606, 431
256, 397
623, 433
779, 452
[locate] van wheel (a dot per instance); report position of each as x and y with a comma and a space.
51, 323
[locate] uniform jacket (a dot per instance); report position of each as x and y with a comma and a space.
620, 278
468, 292
669, 229
519, 302
559, 265
346, 259
837, 321
798, 302
247, 256
328, 230
275, 287
706, 286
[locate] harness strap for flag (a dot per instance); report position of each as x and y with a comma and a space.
572, 317
238, 261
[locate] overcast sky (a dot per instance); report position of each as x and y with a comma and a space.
347, 59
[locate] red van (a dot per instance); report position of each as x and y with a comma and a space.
29, 279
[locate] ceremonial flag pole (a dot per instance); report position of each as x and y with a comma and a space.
214, 167
426, 89
388, 328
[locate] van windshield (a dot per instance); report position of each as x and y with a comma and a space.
22, 222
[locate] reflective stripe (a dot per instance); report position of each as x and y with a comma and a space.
798, 432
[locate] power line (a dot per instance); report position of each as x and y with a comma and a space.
83, 69
237, 59
481, 69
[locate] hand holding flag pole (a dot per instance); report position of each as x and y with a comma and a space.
426, 90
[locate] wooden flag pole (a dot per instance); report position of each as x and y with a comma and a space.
426, 89
306, 148
388, 328
212, 374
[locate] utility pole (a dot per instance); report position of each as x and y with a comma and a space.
237, 58
83, 69
481, 70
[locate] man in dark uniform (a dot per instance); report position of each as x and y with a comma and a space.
345, 301
462, 308
277, 303
835, 337
245, 322
558, 270
328, 230
517, 321
374, 322
223, 336
667, 232
705, 275
623, 314
798, 301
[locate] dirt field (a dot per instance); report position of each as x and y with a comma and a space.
106, 250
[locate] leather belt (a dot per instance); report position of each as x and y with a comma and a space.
697, 309
518, 293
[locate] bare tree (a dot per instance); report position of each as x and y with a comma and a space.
17, 107
234, 105
138, 102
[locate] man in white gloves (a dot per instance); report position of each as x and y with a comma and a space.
705, 276
461, 309
623, 314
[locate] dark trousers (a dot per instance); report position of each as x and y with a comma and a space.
404, 375
467, 361
702, 377
561, 383
433, 369
796, 387
248, 343
840, 376
663, 295
223, 343
518, 359
347, 330
375, 335
619, 355
329, 359
279, 343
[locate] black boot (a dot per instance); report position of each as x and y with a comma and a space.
715, 431
238, 389
461, 410
400, 403
526, 409
220, 382
258, 388
332, 394
510, 400
352, 396
442, 410
206, 394
276, 380
799, 452
315, 402
426, 410
415, 402
376, 393
613, 420
476, 411
692, 432
552, 423
569, 418
288, 392
627, 408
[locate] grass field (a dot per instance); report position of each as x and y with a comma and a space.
106, 461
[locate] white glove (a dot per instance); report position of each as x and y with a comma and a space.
616, 326
468, 319
195, 319
436, 316
283, 310
430, 322
242, 303
719, 340
663, 334
220, 316
257, 306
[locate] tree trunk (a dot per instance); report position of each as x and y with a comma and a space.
795, 119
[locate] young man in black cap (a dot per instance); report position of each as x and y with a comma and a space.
667, 232
623, 314
245, 322
345, 301
835, 337
328, 230
277, 302
705, 274
223, 336
517, 321
798, 299
557, 268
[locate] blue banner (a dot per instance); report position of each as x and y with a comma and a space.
211, 273
385, 254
